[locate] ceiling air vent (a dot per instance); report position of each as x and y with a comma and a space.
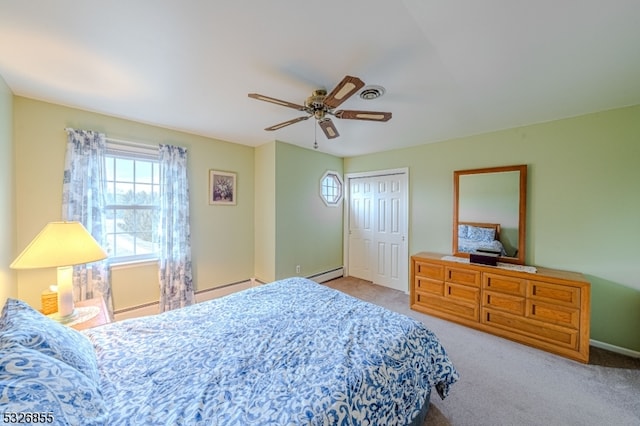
371, 92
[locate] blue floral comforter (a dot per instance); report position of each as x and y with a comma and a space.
292, 352
470, 246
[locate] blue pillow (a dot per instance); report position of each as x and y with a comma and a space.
477, 233
32, 382
463, 231
21, 324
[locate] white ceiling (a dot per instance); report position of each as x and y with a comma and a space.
450, 68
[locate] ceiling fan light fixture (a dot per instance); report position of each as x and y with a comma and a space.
316, 99
372, 92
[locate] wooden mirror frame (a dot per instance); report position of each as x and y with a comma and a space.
522, 222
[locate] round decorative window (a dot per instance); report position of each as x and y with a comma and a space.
331, 188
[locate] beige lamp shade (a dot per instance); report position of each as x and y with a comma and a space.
60, 244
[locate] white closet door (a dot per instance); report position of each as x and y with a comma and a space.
360, 228
378, 230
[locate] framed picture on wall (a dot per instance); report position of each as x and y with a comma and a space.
222, 188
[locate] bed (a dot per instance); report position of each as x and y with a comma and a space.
474, 236
292, 352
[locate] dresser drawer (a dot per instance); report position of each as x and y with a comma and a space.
424, 299
554, 293
560, 336
426, 285
429, 270
554, 314
462, 276
457, 308
504, 284
462, 292
504, 302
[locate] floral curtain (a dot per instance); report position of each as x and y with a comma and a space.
83, 200
176, 283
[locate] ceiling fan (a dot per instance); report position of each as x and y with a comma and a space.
320, 105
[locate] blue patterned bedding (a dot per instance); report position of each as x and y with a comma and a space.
472, 238
470, 246
292, 352
289, 352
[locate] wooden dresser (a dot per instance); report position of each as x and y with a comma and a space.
549, 309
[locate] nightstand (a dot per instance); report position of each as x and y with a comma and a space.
89, 307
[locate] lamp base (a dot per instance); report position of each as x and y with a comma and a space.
81, 314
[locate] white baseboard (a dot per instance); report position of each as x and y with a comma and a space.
328, 275
613, 348
201, 296
214, 293
136, 311
319, 277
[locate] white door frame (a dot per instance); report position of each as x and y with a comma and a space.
347, 206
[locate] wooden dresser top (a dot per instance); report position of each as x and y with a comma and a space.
542, 272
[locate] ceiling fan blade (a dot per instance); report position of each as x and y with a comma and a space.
363, 115
347, 87
286, 123
328, 128
277, 101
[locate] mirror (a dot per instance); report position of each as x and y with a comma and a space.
489, 211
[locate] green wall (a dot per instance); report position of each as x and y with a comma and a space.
8, 284
222, 237
583, 203
265, 214
308, 233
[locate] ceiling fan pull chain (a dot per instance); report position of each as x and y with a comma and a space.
315, 135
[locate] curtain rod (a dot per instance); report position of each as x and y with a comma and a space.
120, 141
127, 142
131, 143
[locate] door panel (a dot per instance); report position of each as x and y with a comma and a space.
382, 200
360, 231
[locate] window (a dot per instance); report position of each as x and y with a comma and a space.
133, 188
331, 188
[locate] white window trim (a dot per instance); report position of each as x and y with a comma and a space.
340, 187
136, 150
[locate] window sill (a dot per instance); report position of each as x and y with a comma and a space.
133, 263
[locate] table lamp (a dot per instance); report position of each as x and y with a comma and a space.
61, 245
